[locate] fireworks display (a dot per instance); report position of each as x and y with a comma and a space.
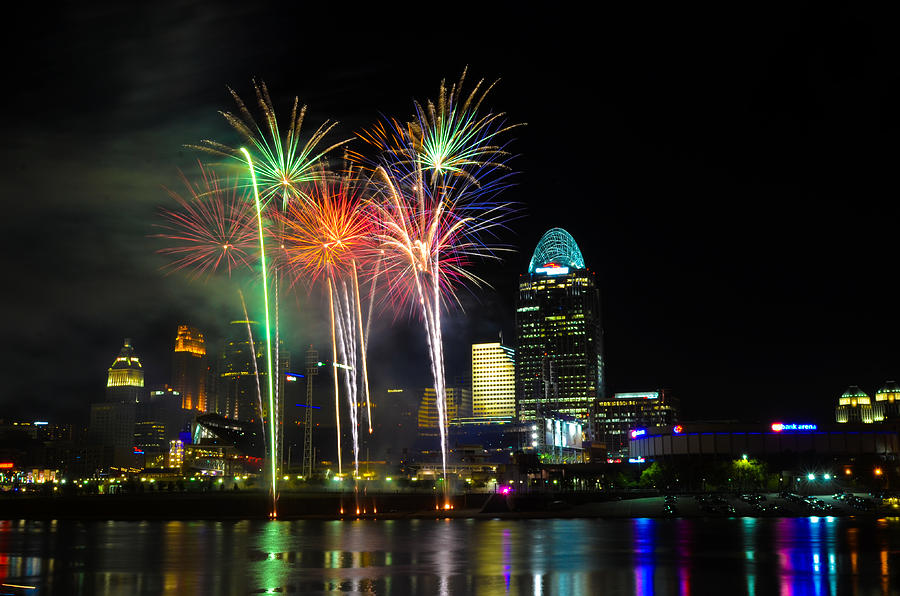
438, 177
424, 212
279, 166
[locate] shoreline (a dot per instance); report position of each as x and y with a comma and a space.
388, 506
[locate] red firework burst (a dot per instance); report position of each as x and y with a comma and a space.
214, 228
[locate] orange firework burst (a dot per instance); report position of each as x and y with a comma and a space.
329, 234
325, 237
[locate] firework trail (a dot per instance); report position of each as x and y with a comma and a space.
325, 238
278, 414
214, 229
413, 271
272, 372
364, 338
337, 402
372, 293
259, 401
438, 176
347, 349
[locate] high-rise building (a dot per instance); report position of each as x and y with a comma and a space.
176, 453
615, 418
239, 387
559, 347
459, 405
396, 425
493, 380
150, 436
189, 368
112, 426
112, 421
162, 406
125, 382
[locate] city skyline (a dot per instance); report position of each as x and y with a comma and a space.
449, 298
741, 244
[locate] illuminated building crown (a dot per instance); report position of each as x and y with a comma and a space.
190, 339
126, 369
890, 391
853, 396
557, 247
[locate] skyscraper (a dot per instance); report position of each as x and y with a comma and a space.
112, 421
615, 417
493, 380
559, 351
238, 384
189, 368
459, 405
238, 387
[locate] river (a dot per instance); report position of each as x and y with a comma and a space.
795, 556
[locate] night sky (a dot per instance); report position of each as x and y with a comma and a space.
730, 177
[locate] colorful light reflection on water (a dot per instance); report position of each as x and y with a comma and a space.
789, 556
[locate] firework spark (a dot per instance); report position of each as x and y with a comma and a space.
283, 165
446, 138
327, 234
214, 229
426, 232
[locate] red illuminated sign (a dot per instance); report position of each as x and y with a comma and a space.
6, 465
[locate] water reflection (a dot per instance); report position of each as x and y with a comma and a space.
790, 556
644, 543
749, 547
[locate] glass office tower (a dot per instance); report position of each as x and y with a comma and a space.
559, 351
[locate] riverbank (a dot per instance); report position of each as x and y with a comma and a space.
298, 505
